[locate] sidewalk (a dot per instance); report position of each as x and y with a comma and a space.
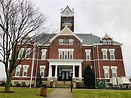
60, 93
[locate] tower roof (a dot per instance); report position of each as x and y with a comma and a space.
67, 12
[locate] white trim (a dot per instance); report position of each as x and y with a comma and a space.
41, 66
19, 53
103, 55
106, 67
26, 52
72, 33
43, 53
26, 71
88, 50
113, 67
19, 66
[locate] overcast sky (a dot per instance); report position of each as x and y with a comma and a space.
94, 16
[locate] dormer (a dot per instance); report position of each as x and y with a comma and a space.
106, 40
67, 18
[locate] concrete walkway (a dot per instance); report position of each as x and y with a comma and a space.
60, 93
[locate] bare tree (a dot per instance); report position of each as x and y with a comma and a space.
18, 19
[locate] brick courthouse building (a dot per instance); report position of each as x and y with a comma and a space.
67, 52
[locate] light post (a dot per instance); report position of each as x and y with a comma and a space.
71, 81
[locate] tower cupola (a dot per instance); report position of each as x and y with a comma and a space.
67, 18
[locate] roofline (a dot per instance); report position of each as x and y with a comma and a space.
72, 33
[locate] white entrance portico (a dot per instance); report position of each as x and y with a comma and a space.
61, 69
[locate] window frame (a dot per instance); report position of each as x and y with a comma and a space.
112, 55
22, 49
41, 66
28, 49
114, 67
104, 54
106, 72
43, 54
18, 70
25, 66
88, 54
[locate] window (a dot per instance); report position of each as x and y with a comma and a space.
60, 54
65, 53
114, 71
106, 71
43, 56
88, 57
70, 54
20, 53
42, 69
27, 54
70, 41
25, 70
17, 73
104, 41
109, 41
104, 52
60, 41
112, 56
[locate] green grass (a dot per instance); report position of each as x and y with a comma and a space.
88, 93
23, 92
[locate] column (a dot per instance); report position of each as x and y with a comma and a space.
50, 71
55, 71
80, 71
73, 71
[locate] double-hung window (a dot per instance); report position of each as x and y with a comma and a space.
88, 54
43, 56
65, 54
70, 54
112, 55
20, 55
27, 54
17, 73
25, 70
114, 71
42, 70
106, 71
104, 53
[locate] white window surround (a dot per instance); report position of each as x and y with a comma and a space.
104, 54
42, 70
70, 54
112, 54
25, 70
61, 41
106, 72
71, 41
43, 55
114, 71
27, 54
17, 73
88, 54
65, 52
20, 55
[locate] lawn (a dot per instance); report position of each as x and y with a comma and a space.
21, 92
91, 93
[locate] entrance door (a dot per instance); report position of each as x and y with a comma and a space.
65, 75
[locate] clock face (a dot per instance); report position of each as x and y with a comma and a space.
67, 12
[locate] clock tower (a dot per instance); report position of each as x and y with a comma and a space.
67, 18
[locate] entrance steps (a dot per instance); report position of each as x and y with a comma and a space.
63, 84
